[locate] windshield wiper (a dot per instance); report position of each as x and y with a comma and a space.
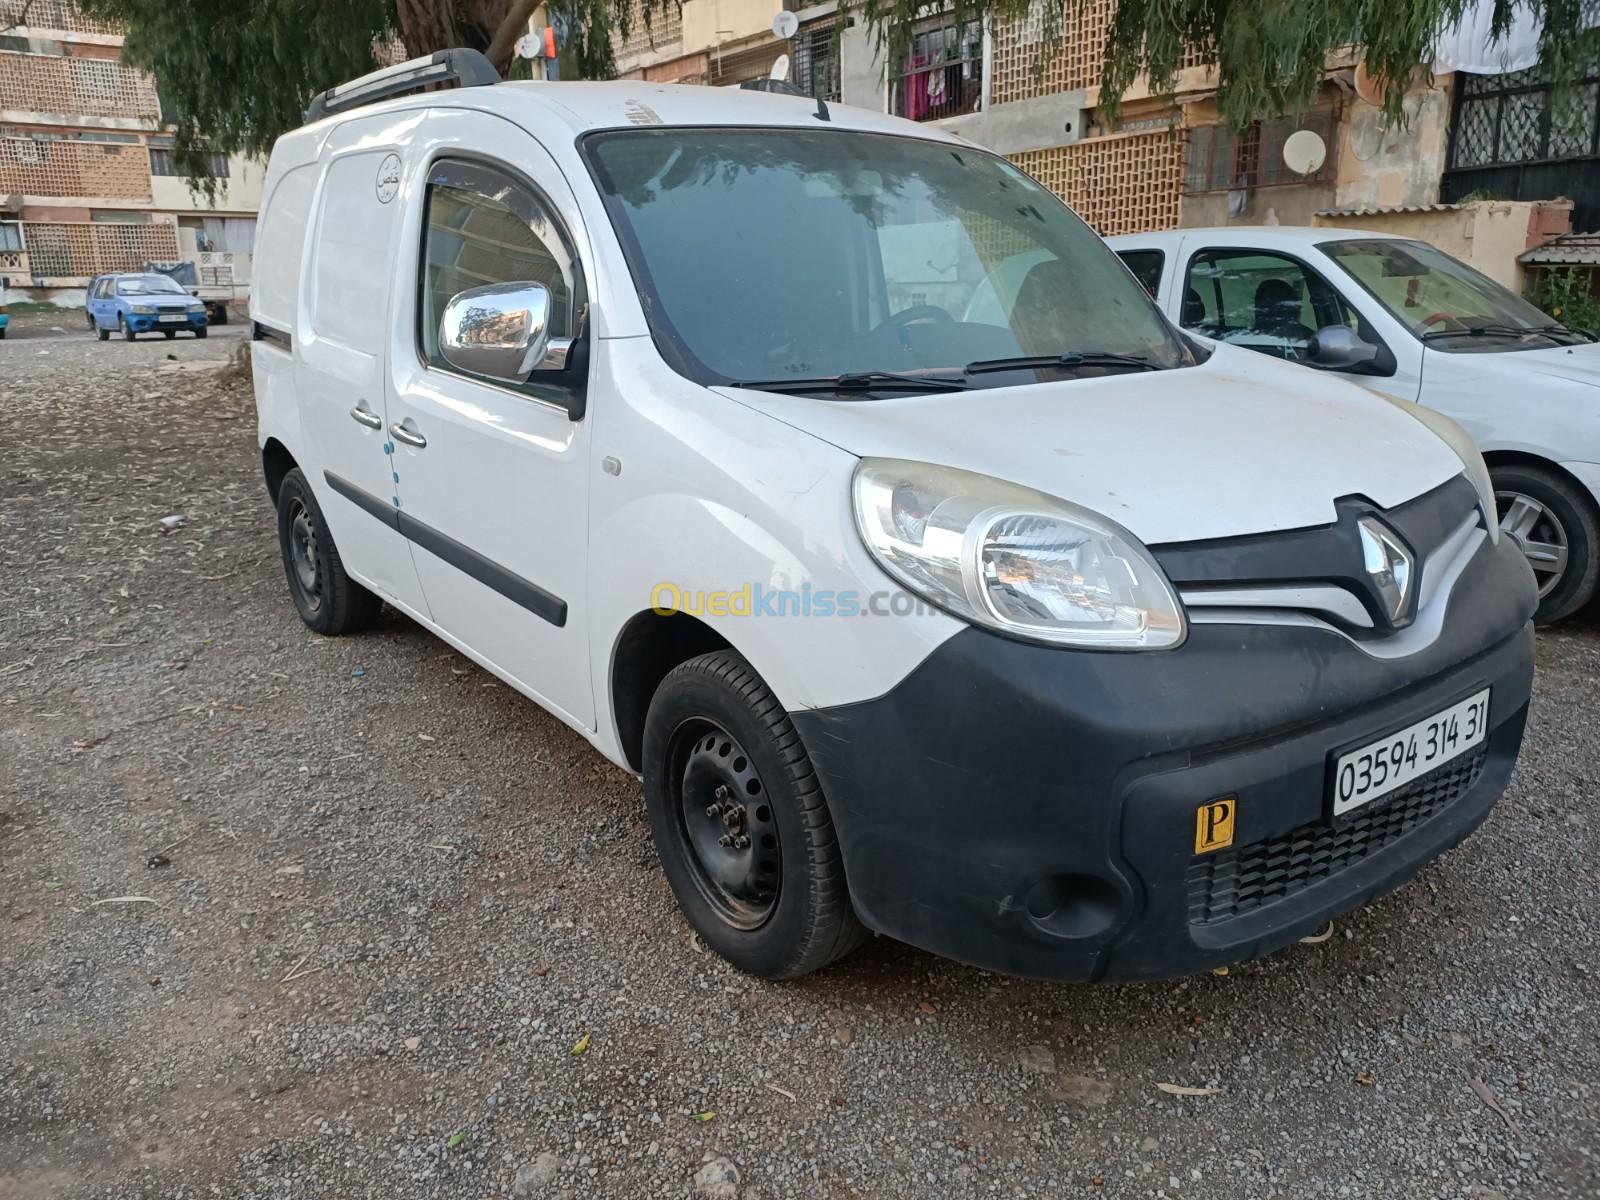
857, 381
1516, 331
1072, 358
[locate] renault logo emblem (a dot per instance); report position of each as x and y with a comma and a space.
1389, 564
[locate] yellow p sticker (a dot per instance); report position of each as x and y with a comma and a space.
1213, 824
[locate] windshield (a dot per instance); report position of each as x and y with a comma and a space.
1443, 301
796, 254
148, 285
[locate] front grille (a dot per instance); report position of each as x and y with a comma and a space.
1231, 883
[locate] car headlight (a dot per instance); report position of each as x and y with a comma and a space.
197, 308
143, 310
1459, 440
1013, 559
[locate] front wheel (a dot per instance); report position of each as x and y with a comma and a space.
328, 600
741, 824
201, 332
105, 334
127, 330
1554, 524
169, 334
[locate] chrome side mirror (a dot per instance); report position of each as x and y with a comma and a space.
501, 331
1337, 348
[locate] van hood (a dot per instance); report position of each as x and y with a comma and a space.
1239, 444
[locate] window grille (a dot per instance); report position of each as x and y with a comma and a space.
1220, 160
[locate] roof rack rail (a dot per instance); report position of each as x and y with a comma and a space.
469, 68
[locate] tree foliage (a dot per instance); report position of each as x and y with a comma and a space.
237, 75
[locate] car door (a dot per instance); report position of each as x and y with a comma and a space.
494, 476
103, 303
341, 336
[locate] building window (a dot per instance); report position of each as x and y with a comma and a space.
942, 75
161, 163
815, 68
95, 79
1517, 118
1220, 160
10, 236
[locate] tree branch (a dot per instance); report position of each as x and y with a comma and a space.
504, 43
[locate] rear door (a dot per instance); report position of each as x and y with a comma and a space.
341, 336
494, 476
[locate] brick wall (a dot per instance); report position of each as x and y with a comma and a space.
44, 167
1026, 66
1127, 183
663, 34
91, 86
74, 249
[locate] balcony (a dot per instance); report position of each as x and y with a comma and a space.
56, 167
63, 250
937, 90
97, 87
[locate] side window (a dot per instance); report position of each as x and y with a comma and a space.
1262, 301
482, 226
1146, 267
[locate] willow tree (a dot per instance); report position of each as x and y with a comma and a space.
234, 76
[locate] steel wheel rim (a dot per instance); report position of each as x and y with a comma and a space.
303, 553
726, 824
1538, 533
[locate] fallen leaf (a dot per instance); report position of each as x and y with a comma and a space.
455, 1139
1486, 1094
1219, 970
928, 1007
1316, 939
126, 900
426, 737
707, 1115
52, 885
1365, 1078
581, 1046
1178, 1089
412, 1043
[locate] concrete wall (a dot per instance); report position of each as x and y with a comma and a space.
1381, 168
1285, 204
863, 82
717, 22
239, 193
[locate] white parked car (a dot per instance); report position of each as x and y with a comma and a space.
1058, 643
1408, 320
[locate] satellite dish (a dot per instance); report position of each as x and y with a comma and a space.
1304, 151
1367, 85
785, 24
780, 69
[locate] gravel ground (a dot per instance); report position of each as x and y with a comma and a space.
409, 936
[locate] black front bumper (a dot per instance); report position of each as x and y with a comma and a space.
1033, 810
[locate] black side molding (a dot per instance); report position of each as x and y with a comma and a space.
462, 557
268, 333
373, 505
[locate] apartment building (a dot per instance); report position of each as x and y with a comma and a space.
1032, 94
87, 185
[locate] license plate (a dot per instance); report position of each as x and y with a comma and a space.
1366, 774
178, 319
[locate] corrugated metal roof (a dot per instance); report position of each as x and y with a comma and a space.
1392, 208
1575, 248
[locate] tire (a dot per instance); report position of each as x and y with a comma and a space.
127, 330
201, 332
88, 318
169, 334
105, 334
716, 739
221, 317
327, 599
1545, 510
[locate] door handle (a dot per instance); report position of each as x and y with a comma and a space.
409, 436
370, 419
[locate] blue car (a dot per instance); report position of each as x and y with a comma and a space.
143, 303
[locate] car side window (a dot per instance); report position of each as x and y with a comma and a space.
1146, 267
1265, 302
484, 226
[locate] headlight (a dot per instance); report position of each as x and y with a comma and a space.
197, 308
144, 310
1012, 559
1459, 440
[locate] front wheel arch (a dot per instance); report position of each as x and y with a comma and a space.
1575, 592
650, 645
